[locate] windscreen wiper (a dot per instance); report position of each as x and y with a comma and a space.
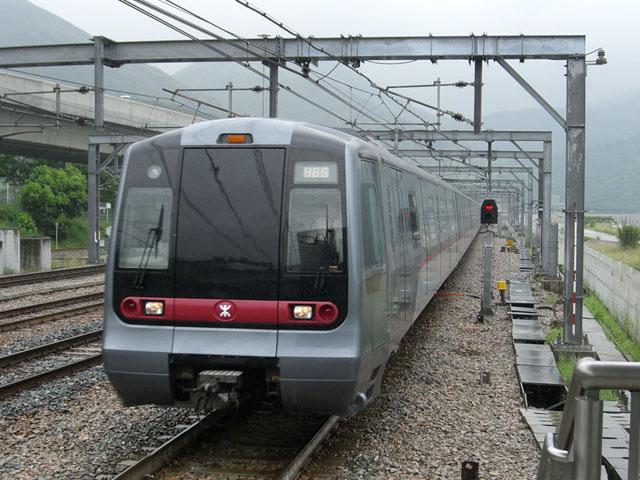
153, 239
327, 256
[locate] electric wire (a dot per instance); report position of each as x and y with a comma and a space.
309, 42
275, 54
218, 37
279, 56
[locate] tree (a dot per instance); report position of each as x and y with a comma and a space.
54, 195
16, 170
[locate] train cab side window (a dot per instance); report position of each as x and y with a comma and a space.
316, 232
144, 238
371, 226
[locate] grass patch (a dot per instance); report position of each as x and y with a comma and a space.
567, 363
553, 335
612, 328
628, 236
74, 234
629, 257
552, 299
601, 224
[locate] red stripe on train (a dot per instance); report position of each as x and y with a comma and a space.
221, 311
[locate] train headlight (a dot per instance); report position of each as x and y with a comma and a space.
154, 308
302, 312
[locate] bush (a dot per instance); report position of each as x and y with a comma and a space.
628, 236
12, 217
76, 233
8, 216
26, 225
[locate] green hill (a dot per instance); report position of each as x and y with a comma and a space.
23, 23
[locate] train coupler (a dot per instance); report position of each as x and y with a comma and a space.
216, 388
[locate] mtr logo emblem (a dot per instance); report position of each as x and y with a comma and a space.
224, 311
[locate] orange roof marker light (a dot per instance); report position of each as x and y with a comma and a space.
235, 138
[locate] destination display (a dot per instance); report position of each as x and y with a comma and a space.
316, 172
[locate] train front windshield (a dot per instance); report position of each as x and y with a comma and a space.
233, 223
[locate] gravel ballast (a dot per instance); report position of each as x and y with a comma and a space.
75, 428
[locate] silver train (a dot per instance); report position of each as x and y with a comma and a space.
282, 259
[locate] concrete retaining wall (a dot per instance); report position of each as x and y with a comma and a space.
35, 253
10, 252
617, 285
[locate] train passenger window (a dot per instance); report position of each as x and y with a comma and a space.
371, 226
316, 233
144, 239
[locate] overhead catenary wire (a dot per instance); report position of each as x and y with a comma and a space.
310, 43
276, 54
245, 64
249, 51
229, 57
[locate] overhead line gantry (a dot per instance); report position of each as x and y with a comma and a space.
354, 50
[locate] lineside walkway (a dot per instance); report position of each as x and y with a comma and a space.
616, 417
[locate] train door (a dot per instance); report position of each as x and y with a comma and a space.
431, 227
413, 242
450, 226
442, 234
374, 287
397, 294
455, 222
227, 251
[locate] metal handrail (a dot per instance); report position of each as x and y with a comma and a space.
580, 430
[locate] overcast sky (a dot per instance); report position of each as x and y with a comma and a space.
611, 25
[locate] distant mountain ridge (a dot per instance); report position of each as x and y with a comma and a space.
612, 150
23, 23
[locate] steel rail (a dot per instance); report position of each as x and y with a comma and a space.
23, 383
39, 277
50, 347
293, 470
38, 307
165, 452
48, 317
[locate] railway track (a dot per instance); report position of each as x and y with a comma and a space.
38, 307
41, 350
169, 449
50, 275
84, 357
89, 303
48, 291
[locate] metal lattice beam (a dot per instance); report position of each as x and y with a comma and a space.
463, 135
520, 47
470, 154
